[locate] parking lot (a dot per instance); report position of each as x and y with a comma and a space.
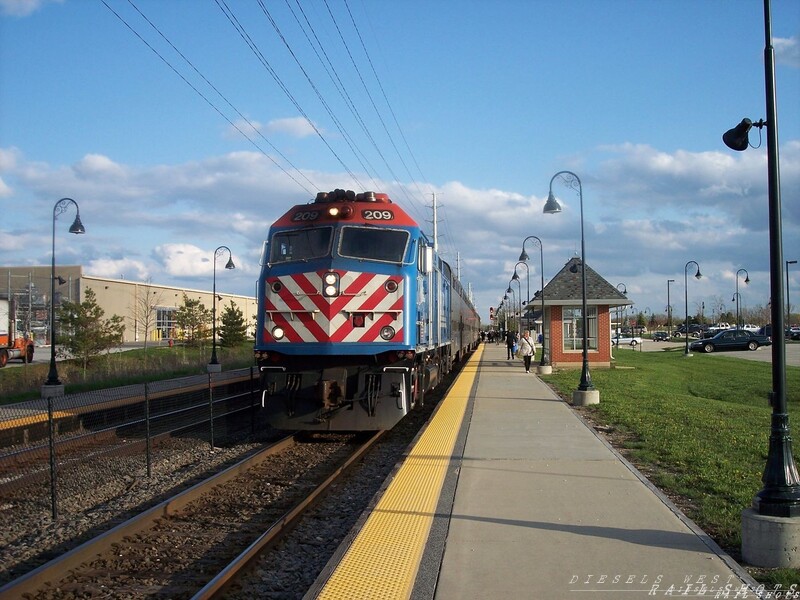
763, 354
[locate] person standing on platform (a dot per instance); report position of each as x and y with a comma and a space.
527, 348
511, 340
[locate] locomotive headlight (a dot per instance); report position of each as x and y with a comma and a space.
387, 332
390, 286
278, 333
341, 212
330, 284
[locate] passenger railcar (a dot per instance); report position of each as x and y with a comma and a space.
358, 316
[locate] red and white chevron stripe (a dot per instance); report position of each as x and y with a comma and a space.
297, 305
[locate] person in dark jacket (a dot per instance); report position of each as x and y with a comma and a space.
511, 339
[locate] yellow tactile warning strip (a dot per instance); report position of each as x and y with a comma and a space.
384, 558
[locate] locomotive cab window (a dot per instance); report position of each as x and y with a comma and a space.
300, 244
370, 243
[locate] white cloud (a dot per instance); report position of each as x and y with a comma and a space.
787, 51
98, 166
647, 213
124, 268
5, 190
298, 127
248, 127
184, 260
22, 8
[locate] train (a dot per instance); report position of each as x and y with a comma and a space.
358, 315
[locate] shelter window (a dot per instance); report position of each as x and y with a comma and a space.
370, 243
300, 244
572, 323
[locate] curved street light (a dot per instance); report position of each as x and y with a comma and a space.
229, 265
545, 360
738, 296
780, 496
519, 301
515, 276
624, 292
514, 298
572, 181
697, 275
77, 227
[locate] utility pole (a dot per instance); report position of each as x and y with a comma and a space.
435, 226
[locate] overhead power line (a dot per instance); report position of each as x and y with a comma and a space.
206, 99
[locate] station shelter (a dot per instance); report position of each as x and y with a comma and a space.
563, 318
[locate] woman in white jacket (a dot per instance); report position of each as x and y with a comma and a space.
527, 348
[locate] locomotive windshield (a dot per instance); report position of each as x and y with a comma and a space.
370, 243
300, 244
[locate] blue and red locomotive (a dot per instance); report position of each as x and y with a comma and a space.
358, 316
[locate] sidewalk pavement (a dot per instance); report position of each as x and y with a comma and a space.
544, 508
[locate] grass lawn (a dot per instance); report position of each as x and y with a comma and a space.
697, 427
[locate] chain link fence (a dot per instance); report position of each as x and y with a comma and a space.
47, 446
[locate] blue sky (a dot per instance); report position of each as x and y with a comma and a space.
480, 103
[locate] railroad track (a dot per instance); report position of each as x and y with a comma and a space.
196, 543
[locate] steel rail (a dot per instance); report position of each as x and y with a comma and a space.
216, 587
58, 568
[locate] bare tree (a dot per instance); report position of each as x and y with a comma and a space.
144, 312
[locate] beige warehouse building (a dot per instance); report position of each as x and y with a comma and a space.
30, 288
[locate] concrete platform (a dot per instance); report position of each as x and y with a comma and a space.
529, 503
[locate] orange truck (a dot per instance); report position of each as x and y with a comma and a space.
12, 345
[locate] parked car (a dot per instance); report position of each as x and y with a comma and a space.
793, 333
696, 331
660, 336
731, 339
626, 340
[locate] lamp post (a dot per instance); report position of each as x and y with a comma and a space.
669, 310
697, 275
738, 296
515, 277
519, 304
780, 496
514, 303
545, 360
788, 306
214, 365
624, 291
586, 392
77, 227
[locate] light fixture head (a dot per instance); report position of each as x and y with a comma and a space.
515, 276
698, 275
77, 226
737, 138
551, 206
524, 255
229, 264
